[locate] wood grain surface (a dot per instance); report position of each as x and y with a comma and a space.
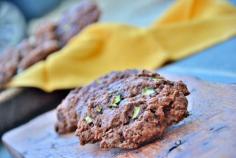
209, 131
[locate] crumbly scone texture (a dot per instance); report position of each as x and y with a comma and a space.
66, 114
126, 109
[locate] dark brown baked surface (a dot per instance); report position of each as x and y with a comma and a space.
48, 38
8, 65
66, 114
69, 25
123, 109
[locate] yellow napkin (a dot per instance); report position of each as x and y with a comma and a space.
187, 27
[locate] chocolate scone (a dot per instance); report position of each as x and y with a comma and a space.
47, 39
69, 25
124, 109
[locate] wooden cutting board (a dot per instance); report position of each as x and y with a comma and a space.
209, 131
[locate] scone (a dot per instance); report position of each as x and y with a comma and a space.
123, 109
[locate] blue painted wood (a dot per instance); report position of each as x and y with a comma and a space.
217, 64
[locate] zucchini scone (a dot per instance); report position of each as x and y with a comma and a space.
123, 109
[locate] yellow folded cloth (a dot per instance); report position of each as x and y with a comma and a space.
187, 27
